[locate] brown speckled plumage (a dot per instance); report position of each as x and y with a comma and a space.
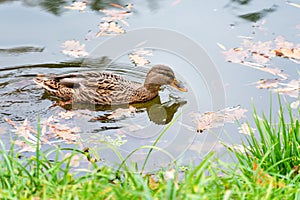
108, 89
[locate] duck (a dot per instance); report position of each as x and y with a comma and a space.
104, 88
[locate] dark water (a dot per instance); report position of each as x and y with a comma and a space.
31, 36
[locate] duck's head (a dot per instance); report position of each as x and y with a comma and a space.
162, 75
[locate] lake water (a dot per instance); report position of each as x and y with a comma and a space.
188, 36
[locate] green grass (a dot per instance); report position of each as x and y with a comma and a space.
277, 150
269, 170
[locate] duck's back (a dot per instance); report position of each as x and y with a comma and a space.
91, 87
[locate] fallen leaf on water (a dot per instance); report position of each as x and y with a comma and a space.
246, 129
24, 131
74, 48
77, 6
273, 71
25, 147
122, 112
260, 58
236, 147
262, 48
116, 15
67, 114
288, 53
138, 60
67, 134
291, 89
209, 120
232, 114
267, 83
217, 119
236, 55
280, 42
110, 28
137, 57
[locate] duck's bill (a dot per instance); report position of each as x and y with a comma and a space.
178, 85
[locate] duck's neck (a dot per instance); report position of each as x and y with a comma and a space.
153, 88
145, 93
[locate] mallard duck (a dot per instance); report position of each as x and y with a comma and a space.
109, 89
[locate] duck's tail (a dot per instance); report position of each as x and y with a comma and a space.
48, 84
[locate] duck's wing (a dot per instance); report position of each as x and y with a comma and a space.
102, 88
109, 89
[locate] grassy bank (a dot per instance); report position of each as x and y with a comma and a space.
267, 168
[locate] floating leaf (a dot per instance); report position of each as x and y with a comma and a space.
77, 6
260, 58
261, 48
267, 83
273, 71
25, 146
237, 148
292, 89
138, 59
110, 28
116, 15
74, 48
280, 42
246, 129
288, 53
67, 114
217, 119
65, 133
122, 112
236, 55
